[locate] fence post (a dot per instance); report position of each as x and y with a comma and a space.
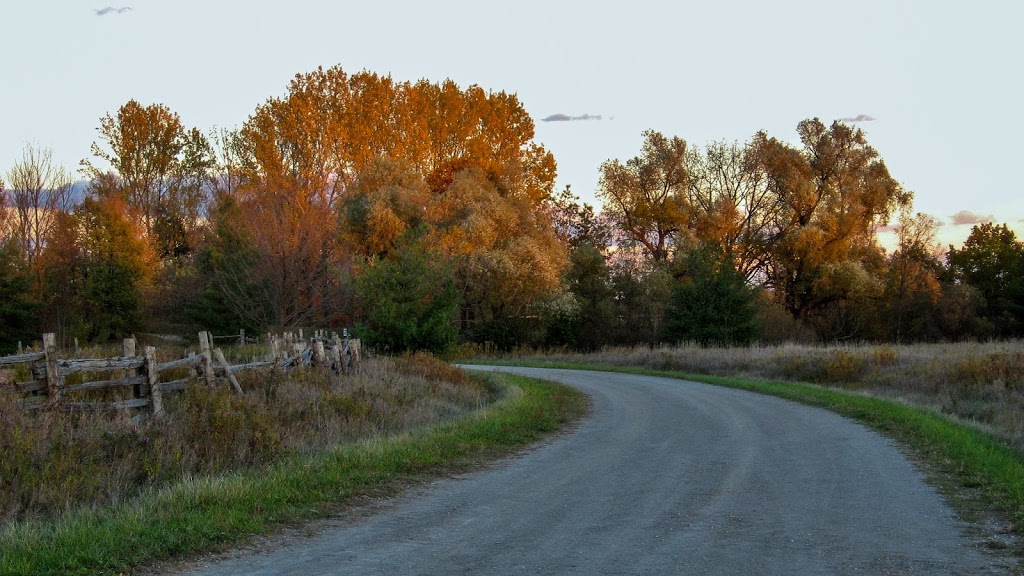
54, 378
227, 370
128, 350
355, 346
346, 351
319, 355
241, 336
336, 351
275, 352
156, 399
204, 349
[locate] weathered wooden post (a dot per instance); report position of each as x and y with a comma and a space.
275, 353
241, 336
227, 370
78, 349
346, 355
128, 347
319, 354
355, 346
336, 352
54, 378
204, 349
156, 399
128, 351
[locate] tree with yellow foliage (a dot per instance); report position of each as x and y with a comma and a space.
646, 196
159, 169
832, 193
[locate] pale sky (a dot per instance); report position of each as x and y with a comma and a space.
942, 79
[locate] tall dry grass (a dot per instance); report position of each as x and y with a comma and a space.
982, 383
53, 461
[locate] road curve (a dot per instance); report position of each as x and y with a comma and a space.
665, 477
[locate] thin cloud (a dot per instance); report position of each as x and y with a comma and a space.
112, 10
966, 217
567, 118
858, 118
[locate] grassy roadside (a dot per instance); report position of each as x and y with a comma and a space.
208, 514
974, 459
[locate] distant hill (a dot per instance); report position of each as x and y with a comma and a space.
78, 190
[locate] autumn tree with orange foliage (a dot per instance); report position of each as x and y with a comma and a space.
98, 270
343, 165
387, 200
507, 256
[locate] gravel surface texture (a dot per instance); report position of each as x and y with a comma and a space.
664, 477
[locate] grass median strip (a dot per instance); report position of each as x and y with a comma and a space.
973, 458
204, 515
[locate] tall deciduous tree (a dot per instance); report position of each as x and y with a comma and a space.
97, 272
732, 205
4, 213
912, 287
647, 196
507, 258
161, 170
272, 257
833, 192
39, 189
330, 148
388, 199
992, 261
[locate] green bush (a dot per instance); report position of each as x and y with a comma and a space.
712, 304
409, 302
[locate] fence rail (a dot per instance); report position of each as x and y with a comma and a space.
46, 387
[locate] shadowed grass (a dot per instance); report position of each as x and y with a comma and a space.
209, 513
975, 459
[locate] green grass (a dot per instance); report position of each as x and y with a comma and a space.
209, 514
973, 458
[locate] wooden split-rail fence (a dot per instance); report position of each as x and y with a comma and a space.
141, 374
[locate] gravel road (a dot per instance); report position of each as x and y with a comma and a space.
665, 477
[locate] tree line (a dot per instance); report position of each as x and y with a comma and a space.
424, 214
